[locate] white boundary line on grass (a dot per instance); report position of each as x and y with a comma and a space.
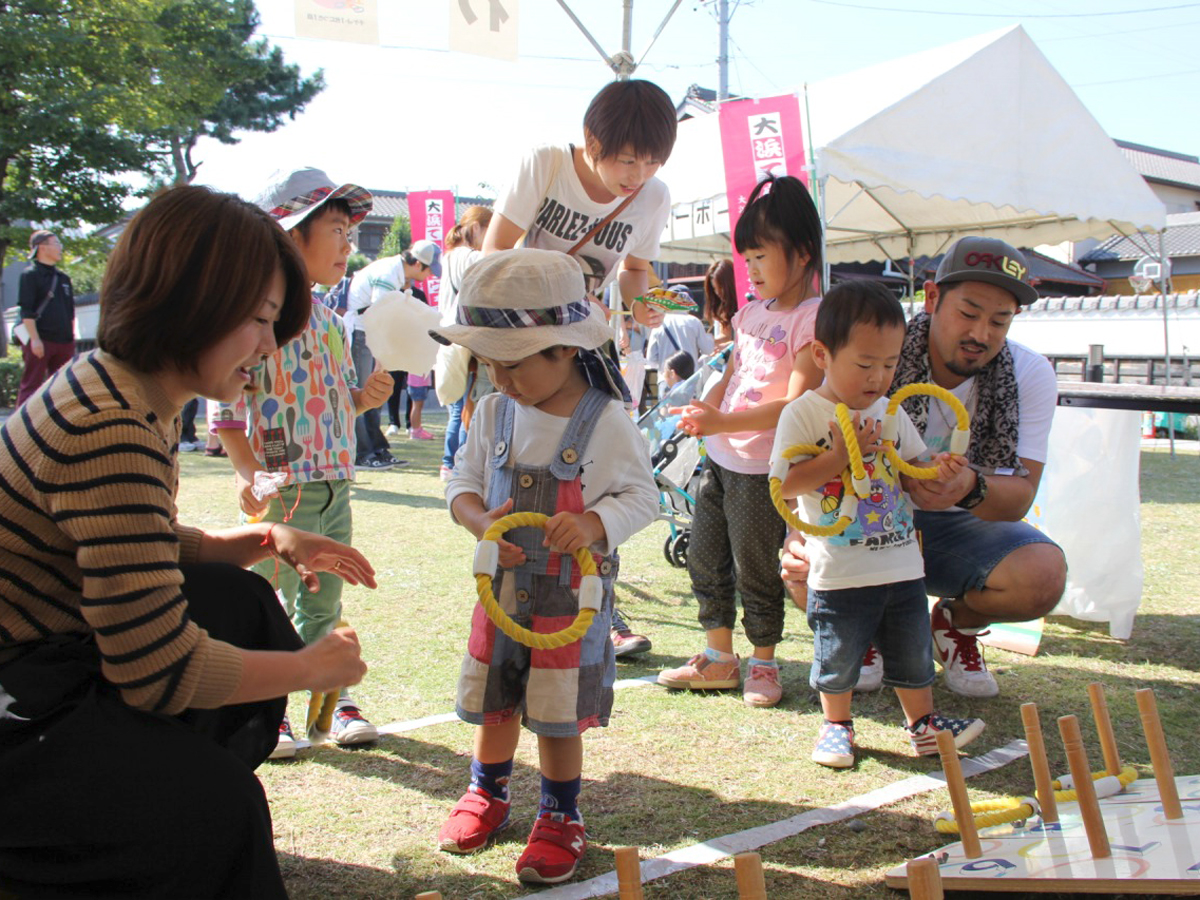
754, 838
443, 718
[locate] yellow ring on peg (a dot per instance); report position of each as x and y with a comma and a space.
962, 420
502, 620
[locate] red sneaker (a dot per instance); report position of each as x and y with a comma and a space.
555, 847
475, 820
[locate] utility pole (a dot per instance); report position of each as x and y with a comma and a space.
622, 62
723, 51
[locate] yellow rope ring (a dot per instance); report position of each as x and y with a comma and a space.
487, 560
857, 484
958, 440
1000, 812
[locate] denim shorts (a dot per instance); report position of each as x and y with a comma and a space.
961, 550
895, 617
418, 393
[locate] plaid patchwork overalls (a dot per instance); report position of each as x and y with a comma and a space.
560, 692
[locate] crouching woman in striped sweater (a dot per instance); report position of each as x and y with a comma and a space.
143, 671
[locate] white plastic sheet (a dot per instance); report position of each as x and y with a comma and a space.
397, 329
1088, 502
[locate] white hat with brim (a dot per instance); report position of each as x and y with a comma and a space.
294, 196
515, 303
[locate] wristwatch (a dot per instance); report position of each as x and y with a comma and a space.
975, 495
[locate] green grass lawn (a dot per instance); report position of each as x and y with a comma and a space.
677, 769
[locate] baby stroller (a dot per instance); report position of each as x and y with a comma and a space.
676, 457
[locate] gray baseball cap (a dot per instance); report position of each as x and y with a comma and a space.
991, 261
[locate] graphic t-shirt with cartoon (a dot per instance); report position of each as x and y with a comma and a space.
547, 199
880, 545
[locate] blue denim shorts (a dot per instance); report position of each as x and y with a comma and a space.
895, 617
961, 550
418, 393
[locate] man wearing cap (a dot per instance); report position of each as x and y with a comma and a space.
47, 303
389, 273
980, 558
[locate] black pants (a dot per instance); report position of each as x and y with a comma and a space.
102, 800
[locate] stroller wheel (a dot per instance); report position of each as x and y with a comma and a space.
667, 550
679, 546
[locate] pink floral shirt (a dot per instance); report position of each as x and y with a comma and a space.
766, 341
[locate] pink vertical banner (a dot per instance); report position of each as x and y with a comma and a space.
431, 215
758, 138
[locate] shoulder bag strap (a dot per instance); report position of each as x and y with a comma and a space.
612, 215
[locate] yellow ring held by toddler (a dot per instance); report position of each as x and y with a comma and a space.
486, 561
857, 485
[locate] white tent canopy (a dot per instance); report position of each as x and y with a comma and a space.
980, 137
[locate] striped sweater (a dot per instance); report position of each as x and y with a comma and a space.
89, 542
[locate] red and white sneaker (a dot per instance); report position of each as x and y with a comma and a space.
555, 847
958, 652
473, 823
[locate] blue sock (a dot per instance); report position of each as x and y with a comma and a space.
561, 797
769, 663
492, 777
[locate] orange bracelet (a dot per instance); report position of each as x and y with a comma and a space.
266, 541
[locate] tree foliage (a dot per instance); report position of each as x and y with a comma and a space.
398, 237
96, 95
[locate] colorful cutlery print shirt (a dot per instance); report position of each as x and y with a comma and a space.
300, 420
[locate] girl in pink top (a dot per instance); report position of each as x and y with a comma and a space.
736, 533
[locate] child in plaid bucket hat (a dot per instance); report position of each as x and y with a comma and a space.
554, 439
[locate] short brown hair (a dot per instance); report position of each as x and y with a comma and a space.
636, 114
191, 267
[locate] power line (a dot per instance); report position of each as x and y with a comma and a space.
980, 15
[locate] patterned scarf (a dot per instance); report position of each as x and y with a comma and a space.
996, 418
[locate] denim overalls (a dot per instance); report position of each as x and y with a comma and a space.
564, 691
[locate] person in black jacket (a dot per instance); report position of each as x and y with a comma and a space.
47, 302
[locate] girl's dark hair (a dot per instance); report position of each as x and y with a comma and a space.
190, 268
720, 292
855, 303
781, 211
636, 114
337, 205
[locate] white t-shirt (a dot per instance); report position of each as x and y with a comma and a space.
615, 476
1037, 389
547, 199
880, 545
454, 266
384, 275
678, 331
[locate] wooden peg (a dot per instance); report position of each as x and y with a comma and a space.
430, 895
924, 879
1108, 739
957, 785
1038, 762
1156, 742
750, 882
629, 874
1085, 789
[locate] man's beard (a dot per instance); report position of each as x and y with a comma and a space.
967, 370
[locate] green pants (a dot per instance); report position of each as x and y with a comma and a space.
324, 508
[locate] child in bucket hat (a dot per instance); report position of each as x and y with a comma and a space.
555, 414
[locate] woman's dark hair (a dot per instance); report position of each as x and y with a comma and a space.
635, 114
781, 211
855, 303
720, 293
190, 268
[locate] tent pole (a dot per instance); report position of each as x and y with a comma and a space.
824, 239
912, 288
1162, 288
